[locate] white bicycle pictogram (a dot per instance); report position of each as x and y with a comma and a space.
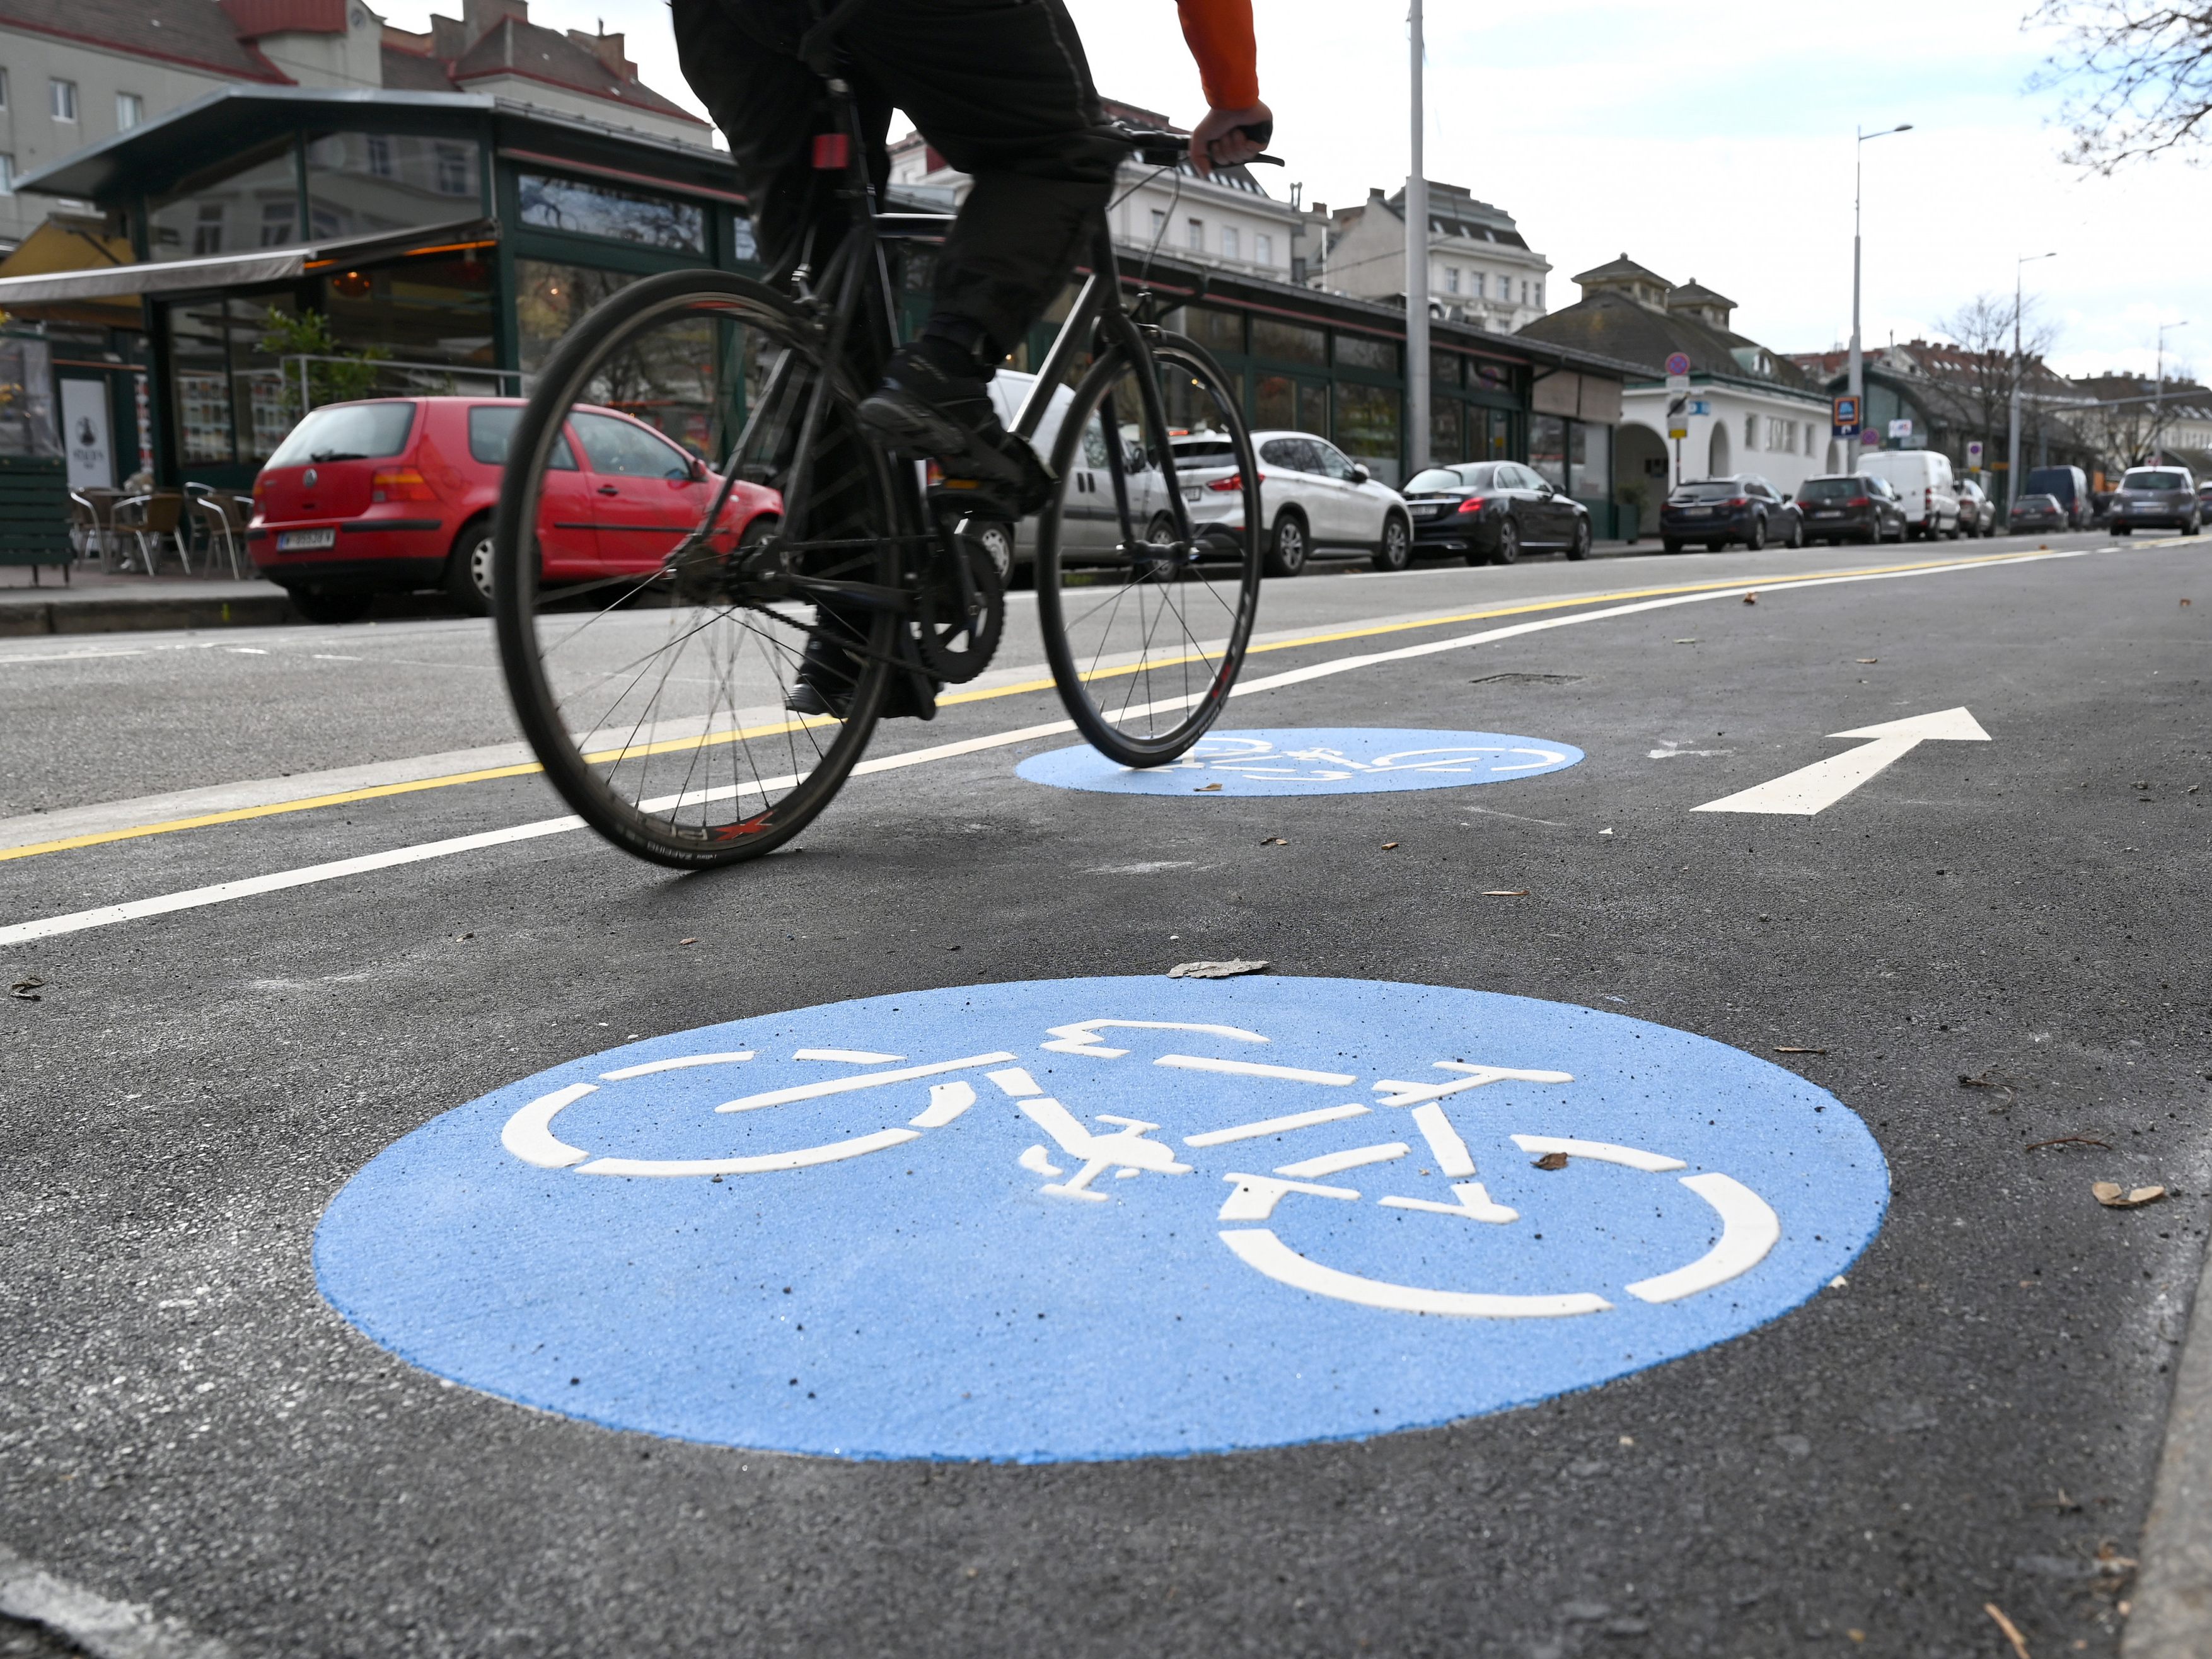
1260, 760
1748, 1227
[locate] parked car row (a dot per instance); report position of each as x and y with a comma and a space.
1719, 512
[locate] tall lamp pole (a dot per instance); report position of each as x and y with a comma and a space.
2019, 373
1416, 276
1858, 371
2158, 398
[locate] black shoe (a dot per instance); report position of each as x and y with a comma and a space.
824, 685
935, 403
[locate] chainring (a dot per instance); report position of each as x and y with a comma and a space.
953, 644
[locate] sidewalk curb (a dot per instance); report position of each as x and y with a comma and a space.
117, 616
2172, 1616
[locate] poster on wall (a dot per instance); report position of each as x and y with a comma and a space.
85, 441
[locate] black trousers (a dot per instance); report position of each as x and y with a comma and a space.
1000, 87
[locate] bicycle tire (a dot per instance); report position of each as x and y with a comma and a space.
1126, 731
583, 765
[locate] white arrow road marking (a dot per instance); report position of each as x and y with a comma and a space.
1811, 788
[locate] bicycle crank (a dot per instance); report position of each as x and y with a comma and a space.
960, 609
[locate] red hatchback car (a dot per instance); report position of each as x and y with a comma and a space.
371, 497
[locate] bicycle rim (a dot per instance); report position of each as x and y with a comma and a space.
1146, 635
648, 628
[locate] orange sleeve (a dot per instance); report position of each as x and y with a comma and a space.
1220, 35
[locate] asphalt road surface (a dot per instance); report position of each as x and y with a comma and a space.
1989, 952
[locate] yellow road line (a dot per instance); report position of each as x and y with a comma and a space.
378, 792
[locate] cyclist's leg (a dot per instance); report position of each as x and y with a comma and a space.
1003, 93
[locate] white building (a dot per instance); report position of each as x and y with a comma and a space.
1228, 221
1481, 269
74, 73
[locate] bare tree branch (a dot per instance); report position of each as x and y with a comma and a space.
2139, 77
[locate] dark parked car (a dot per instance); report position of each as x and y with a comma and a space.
1851, 508
1718, 511
2156, 498
1488, 512
2066, 485
1977, 514
2039, 512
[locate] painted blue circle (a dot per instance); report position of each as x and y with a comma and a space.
946, 1278
1357, 760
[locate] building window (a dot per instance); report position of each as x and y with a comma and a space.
1524, 290
7, 173
1480, 280
1451, 279
130, 111
376, 152
1194, 236
1263, 248
1159, 226
1229, 242
1539, 294
1750, 431
207, 230
457, 170
276, 222
63, 98
622, 216
4, 89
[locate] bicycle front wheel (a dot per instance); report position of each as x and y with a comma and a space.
696, 641
1147, 606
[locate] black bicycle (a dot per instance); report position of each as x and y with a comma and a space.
692, 515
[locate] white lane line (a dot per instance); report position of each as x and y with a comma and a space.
105, 1629
221, 892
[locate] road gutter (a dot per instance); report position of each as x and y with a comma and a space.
2172, 1616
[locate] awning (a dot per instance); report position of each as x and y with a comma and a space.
232, 270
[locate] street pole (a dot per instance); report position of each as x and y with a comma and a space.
1416, 277
2018, 370
1857, 371
2158, 398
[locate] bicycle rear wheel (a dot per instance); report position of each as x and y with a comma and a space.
658, 583
1145, 619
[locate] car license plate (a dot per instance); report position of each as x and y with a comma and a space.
1829, 513
1429, 511
296, 541
1697, 513
1192, 495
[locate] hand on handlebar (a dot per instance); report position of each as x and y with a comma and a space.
1227, 137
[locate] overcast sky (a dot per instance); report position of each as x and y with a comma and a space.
1712, 141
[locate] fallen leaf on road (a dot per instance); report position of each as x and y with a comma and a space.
2068, 1140
25, 990
1275, 840
1685, 641
2184, 604
1205, 788
2012, 1631
687, 941
1867, 660
1552, 1161
1228, 969
2109, 1193
1751, 598
1390, 846
1507, 892
462, 937
1801, 1051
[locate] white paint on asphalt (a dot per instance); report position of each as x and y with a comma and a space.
105, 1629
223, 892
1813, 788
1749, 1229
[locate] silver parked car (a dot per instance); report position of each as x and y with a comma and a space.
2156, 498
1977, 514
1314, 496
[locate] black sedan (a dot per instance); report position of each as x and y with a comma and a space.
1851, 508
1718, 511
2156, 498
2038, 512
1491, 511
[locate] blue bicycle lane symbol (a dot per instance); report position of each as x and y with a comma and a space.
1085, 1219
1312, 761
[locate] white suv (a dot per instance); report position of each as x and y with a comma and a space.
1313, 496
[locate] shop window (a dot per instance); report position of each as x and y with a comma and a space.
1216, 331
1288, 342
1590, 461
232, 405
1274, 402
1367, 428
230, 213
27, 419
360, 184
130, 111
1447, 432
420, 311
1364, 352
1444, 368
549, 298
1547, 449
582, 209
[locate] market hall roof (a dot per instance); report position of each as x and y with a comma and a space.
1636, 315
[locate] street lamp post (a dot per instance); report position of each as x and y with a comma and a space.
2158, 397
1858, 374
1416, 277
2019, 372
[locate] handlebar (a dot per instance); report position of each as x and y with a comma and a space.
1159, 148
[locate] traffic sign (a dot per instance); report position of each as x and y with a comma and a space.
1701, 406
1974, 455
1845, 420
1298, 761
1677, 383
1092, 1218
1678, 362
1901, 428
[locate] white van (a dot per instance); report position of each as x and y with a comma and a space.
1088, 513
1922, 481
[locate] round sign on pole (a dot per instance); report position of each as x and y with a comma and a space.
1311, 761
1102, 1217
1678, 362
